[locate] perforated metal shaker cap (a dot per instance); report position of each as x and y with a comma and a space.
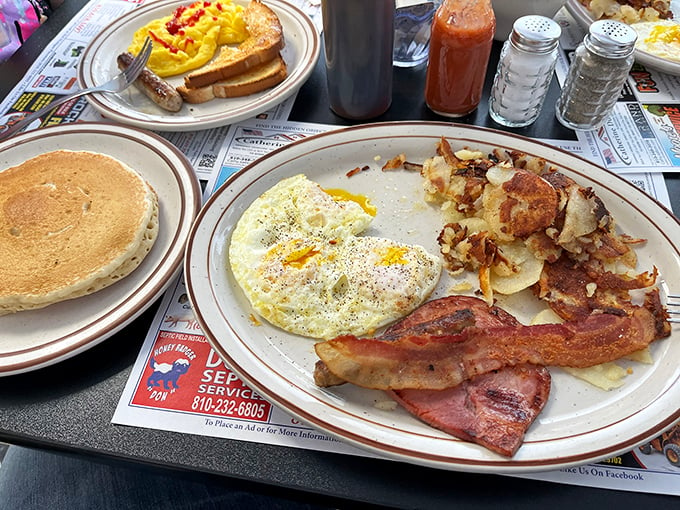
534, 33
611, 38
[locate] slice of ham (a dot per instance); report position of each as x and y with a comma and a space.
435, 361
493, 410
456, 310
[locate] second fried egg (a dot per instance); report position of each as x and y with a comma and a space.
296, 254
660, 38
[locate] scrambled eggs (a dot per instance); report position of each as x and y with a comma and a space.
189, 37
296, 254
660, 38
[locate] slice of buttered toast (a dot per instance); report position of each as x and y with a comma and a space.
257, 79
263, 44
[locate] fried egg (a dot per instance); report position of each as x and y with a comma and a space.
660, 38
297, 255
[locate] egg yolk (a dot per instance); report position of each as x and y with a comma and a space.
393, 255
189, 37
300, 257
365, 203
295, 253
664, 34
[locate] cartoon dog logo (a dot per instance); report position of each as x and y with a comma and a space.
167, 374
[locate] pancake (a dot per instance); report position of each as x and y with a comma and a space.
71, 223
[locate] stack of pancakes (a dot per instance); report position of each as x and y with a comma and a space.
71, 223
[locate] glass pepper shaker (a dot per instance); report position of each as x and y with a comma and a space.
597, 74
524, 71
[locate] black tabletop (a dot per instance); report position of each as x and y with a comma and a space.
69, 406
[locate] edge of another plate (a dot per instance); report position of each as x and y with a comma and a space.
584, 18
98, 63
37, 338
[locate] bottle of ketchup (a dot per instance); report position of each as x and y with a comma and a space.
460, 45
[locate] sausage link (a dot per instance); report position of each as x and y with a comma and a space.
153, 86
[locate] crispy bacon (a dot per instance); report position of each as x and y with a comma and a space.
575, 290
433, 361
448, 315
394, 163
436, 317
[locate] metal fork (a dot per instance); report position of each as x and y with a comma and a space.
117, 84
673, 308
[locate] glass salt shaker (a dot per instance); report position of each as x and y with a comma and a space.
524, 71
596, 76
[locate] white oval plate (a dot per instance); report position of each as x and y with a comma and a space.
585, 18
578, 425
98, 64
36, 338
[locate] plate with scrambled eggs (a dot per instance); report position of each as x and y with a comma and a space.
223, 28
658, 44
285, 223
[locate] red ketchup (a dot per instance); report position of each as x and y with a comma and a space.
460, 45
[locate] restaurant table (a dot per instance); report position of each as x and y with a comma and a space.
68, 406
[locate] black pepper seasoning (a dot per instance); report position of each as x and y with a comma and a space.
597, 75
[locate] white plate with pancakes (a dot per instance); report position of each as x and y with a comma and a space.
98, 64
33, 339
579, 424
584, 17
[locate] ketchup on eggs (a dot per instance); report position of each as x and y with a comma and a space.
188, 38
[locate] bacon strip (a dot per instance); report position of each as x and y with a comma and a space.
430, 361
443, 316
493, 410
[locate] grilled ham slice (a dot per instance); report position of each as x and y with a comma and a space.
493, 410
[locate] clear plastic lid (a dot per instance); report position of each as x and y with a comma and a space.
536, 34
611, 38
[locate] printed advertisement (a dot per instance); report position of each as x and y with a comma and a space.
179, 383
